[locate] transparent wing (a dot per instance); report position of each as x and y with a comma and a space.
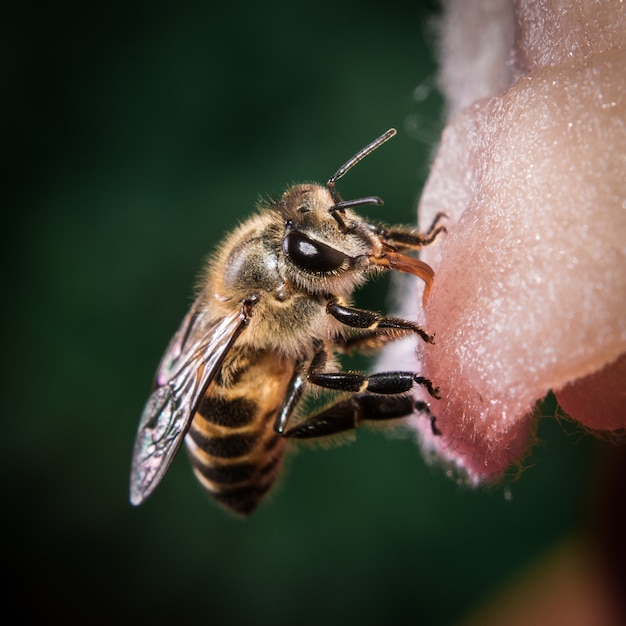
190, 362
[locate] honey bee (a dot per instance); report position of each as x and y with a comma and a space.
273, 310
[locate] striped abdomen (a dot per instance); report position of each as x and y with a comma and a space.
235, 452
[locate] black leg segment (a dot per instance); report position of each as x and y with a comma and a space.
382, 383
295, 389
348, 414
368, 320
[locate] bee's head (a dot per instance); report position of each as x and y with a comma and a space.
327, 246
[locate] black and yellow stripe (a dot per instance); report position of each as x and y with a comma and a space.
235, 452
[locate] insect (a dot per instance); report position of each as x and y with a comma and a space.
272, 312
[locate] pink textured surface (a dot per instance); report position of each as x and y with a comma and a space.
530, 281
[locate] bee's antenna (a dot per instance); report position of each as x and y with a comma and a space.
348, 165
340, 205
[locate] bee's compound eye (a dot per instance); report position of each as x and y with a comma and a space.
312, 256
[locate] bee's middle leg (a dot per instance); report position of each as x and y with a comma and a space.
387, 383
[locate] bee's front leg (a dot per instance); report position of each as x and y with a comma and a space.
370, 321
404, 238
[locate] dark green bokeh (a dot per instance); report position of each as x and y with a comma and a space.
135, 135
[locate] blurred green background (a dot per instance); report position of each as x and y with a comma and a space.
134, 135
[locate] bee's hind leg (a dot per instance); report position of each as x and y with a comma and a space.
350, 413
377, 397
292, 397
